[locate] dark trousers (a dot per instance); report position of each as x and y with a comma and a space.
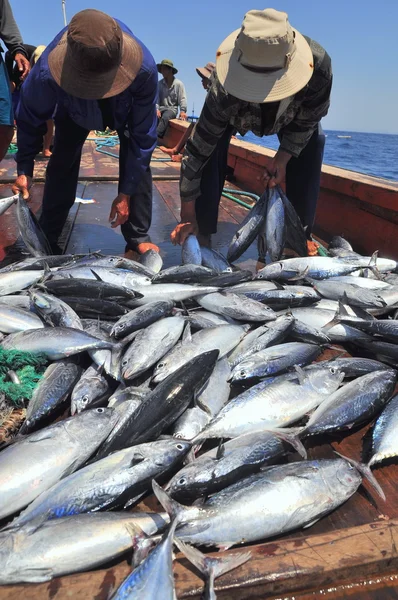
163, 122
303, 176
61, 183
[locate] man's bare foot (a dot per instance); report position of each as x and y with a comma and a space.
177, 158
145, 246
47, 153
169, 151
204, 239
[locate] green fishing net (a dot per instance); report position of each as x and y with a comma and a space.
12, 149
28, 368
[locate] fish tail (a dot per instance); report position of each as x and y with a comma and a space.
174, 509
365, 471
291, 436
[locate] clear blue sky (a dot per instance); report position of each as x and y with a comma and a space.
360, 36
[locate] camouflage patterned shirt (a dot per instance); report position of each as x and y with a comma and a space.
294, 120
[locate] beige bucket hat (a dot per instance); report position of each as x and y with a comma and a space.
266, 60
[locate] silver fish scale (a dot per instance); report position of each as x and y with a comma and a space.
384, 436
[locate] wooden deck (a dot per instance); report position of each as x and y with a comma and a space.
351, 553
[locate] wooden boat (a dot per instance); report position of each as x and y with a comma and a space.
352, 553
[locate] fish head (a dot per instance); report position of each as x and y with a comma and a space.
161, 371
348, 477
242, 372
167, 452
93, 424
326, 380
41, 301
118, 329
191, 480
271, 271
80, 402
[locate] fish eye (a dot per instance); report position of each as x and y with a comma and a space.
85, 399
100, 410
160, 365
179, 447
242, 373
124, 363
182, 481
333, 370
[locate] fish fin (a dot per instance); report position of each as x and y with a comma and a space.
186, 334
301, 374
174, 509
142, 544
211, 566
365, 471
30, 527
278, 285
220, 450
311, 523
97, 277
190, 457
302, 275
32, 575
291, 436
340, 314
136, 460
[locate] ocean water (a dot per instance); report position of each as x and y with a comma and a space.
371, 153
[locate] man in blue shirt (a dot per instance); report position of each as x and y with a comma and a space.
94, 74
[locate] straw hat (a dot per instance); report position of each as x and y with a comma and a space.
205, 72
167, 63
36, 54
266, 60
95, 59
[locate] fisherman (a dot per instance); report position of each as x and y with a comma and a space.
10, 35
48, 136
172, 96
269, 79
94, 74
205, 74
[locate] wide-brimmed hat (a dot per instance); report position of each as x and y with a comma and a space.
95, 59
266, 60
167, 63
36, 55
205, 72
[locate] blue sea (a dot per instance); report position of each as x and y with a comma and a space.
371, 153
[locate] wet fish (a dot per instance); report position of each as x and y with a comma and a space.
266, 406
319, 318
5, 203
190, 252
203, 319
212, 567
275, 226
290, 296
73, 544
115, 277
95, 307
184, 274
90, 391
30, 230
162, 407
56, 343
32, 465
107, 483
19, 301
151, 260
150, 345
223, 338
152, 575
386, 328
14, 319
296, 238
172, 292
384, 434
316, 267
55, 311
275, 359
227, 279
249, 228
365, 282
354, 404
302, 332
214, 260
350, 294
141, 317
339, 241
15, 281
280, 499
51, 394
89, 288
236, 306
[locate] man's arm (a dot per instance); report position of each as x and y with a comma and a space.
10, 33
182, 100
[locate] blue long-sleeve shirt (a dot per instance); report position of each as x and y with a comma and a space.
133, 113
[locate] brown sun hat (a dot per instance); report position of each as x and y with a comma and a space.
205, 72
167, 63
95, 59
266, 60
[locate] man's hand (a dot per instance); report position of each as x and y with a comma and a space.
158, 114
276, 171
182, 231
23, 65
183, 116
120, 210
22, 185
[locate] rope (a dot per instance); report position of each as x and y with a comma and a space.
28, 367
109, 140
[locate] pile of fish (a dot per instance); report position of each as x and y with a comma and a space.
201, 383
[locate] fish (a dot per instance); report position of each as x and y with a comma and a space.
275, 226
275, 359
89, 288
212, 566
249, 228
319, 318
54, 311
315, 267
385, 328
95, 307
15, 281
296, 238
354, 404
224, 338
236, 306
19, 301
153, 574
107, 483
162, 406
227, 279
184, 274
350, 294
14, 319
56, 343
203, 319
267, 406
51, 454
384, 434
30, 230
365, 282
280, 499
51, 394
380, 348
90, 391
141, 317
261, 338
302, 332
290, 296
339, 241
79, 543
151, 260
190, 252
5, 203
150, 345
117, 277
125, 411
252, 287
36, 262
174, 292
215, 260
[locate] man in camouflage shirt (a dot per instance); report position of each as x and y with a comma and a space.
270, 79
